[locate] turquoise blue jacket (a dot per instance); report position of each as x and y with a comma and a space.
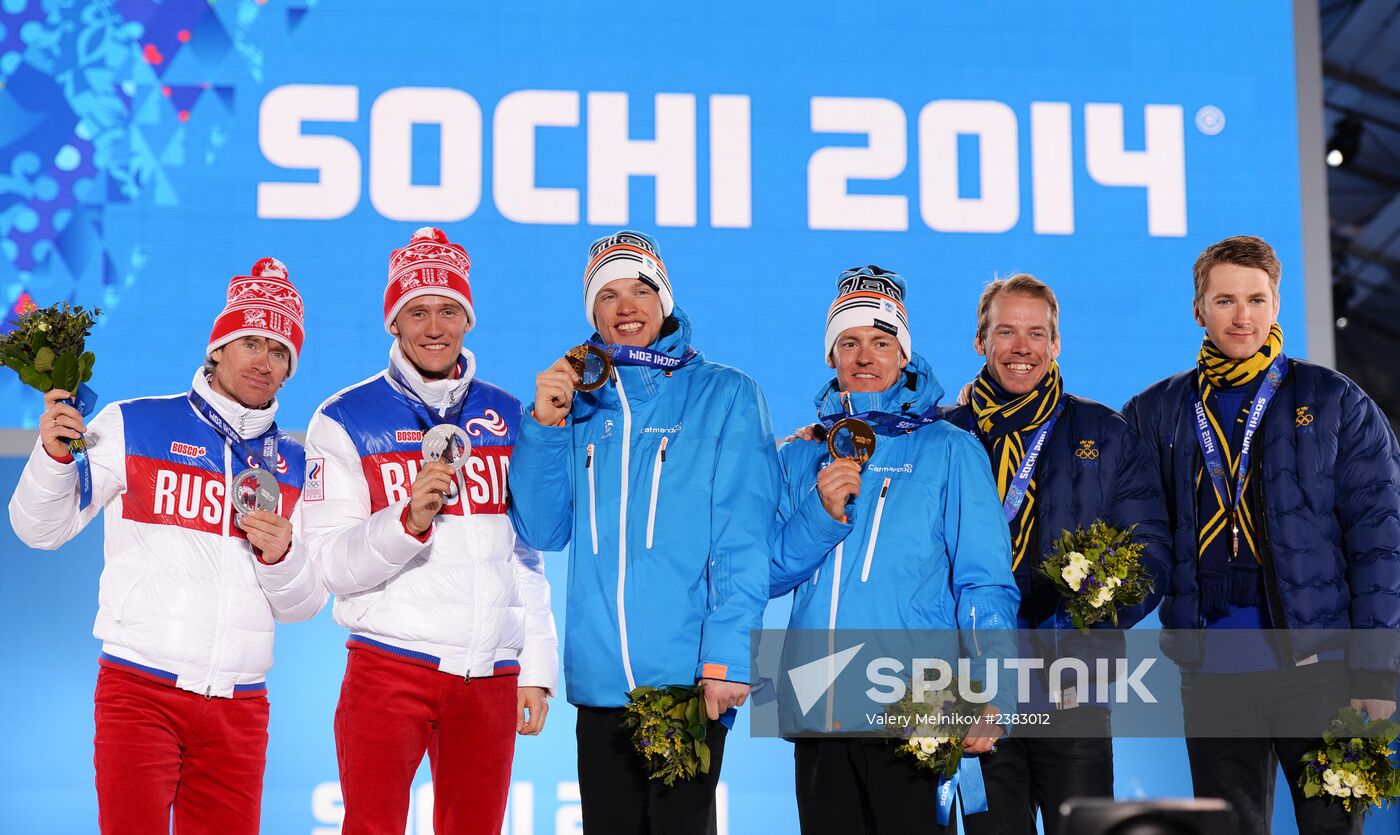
925, 544
666, 484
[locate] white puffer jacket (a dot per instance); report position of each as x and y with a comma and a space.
470, 599
182, 598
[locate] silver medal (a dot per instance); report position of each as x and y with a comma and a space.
450, 445
255, 489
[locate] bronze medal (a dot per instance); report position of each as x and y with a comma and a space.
851, 438
591, 364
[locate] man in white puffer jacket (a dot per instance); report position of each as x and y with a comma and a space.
190, 590
452, 645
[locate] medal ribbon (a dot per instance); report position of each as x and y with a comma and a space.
83, 400
247, 449
632, 355
1211, 445
1016, 490
884, 423
968, 783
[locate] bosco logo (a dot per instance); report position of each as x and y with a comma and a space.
187, 450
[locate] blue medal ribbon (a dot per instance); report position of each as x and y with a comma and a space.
632, 355
1016, 491
260, 450
1211, 445
968, 784
884, 423
84, 400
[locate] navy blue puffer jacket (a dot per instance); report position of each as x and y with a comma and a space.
1330, 490
1091, 468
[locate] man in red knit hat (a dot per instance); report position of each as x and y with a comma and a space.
452, 644
195, 574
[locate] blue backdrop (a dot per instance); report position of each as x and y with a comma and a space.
150, 150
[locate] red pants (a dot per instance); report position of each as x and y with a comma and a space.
390, 712
159, 747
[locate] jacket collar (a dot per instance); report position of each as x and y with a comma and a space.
439, 395
917, 390
248, 423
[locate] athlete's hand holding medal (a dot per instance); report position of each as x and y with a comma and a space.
255, 495
851, 442
446, 449
585, 367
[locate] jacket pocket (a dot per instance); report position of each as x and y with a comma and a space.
718, 576
875, 530
119, 608
592, 500
655, 489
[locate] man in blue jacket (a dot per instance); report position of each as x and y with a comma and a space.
1283, 481
1087, 466
665, 480
914, 540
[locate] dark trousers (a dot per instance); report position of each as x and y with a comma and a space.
860, 786
619, 799
1027, 774
1243, 770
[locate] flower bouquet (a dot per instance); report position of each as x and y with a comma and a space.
669, 725
1354, 765
1098, 571
932, 730
46, 347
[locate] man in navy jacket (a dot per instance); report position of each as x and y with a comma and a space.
1284, 490
1089, 467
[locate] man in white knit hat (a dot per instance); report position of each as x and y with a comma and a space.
192, 582
452, 644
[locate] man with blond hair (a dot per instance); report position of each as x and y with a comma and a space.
1061, 462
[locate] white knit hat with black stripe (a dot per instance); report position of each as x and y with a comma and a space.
625, 254
869, 297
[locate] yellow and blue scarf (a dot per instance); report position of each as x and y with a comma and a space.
1006, 422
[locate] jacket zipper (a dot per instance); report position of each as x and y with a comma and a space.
1266, 557
875, 530
655, 488
622, 532
592, 500
831, 634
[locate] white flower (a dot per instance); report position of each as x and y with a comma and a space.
1113, 582
1073, 576
1102, 596
1078, 560
1332, 783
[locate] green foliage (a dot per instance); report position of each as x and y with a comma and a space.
46, 348
1097, 571
669, 726
1355, 765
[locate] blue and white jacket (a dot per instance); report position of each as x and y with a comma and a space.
469, 598
665, 482
923, 547
183, 599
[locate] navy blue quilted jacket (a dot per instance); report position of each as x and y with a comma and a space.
1091, 468
1330, 531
